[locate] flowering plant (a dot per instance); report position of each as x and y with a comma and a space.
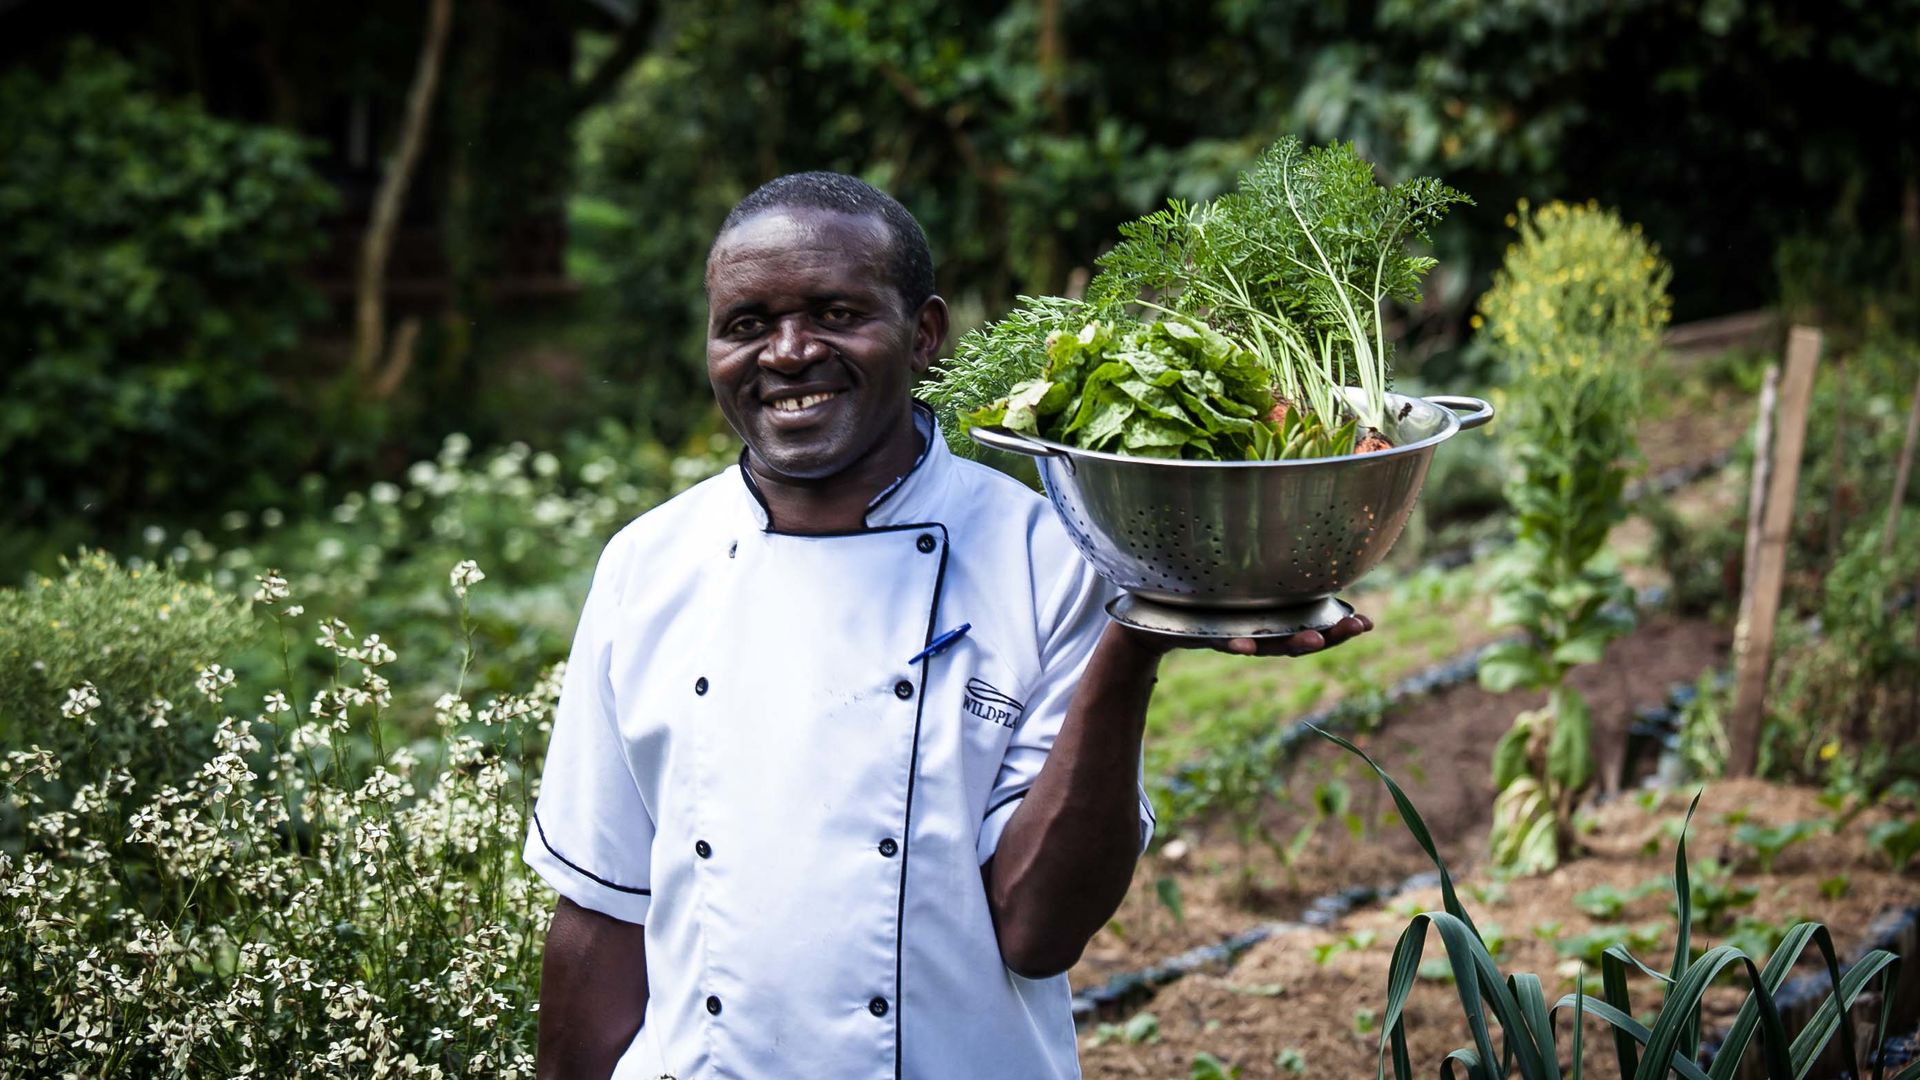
320, 901
1574, 313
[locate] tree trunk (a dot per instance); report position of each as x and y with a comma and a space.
1900, 475
369, 340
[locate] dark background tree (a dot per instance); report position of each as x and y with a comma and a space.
580, 152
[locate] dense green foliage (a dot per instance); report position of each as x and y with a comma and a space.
1576, 313
149, 252
135, 640
1173, 388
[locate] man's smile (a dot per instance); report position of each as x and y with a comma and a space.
793, 404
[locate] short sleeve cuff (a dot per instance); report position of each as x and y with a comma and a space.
628, 903
1002, 813
996, 823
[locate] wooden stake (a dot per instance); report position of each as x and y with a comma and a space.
1900, 475
1761, 606
1757, 484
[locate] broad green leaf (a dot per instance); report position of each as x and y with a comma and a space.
1570, 745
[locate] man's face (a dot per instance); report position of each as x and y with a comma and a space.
809, 347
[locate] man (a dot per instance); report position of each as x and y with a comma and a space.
845, 772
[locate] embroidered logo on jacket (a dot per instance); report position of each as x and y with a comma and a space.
989, 704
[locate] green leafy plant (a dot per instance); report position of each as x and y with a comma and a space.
1593, 945
150, 252
323, 900
1207, 1067
104, 660
1173, 388
1290, 1061
1573, 313
1293, 269
1715, 897
1607, 902
988, 362
1898, 839
1357, 941
1704, 743
1529, 1046
1770, 842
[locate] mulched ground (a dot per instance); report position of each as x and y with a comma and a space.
1438, 748
1279, 998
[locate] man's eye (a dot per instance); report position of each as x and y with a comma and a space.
745, 327
838, 315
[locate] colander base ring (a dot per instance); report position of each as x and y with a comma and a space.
1215, 624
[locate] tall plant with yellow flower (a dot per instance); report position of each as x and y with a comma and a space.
1574, 314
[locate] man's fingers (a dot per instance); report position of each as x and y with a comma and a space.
1300, 644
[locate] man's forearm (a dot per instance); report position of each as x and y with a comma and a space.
1067, 856
593, 993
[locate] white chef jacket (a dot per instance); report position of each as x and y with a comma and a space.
746, 761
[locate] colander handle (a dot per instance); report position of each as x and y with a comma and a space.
1477, 411
1012, 443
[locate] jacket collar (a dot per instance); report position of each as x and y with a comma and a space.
916, 496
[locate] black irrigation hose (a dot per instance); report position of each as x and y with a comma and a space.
1127, 990
1284, 743
1894, 931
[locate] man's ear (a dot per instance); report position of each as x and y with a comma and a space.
929, 333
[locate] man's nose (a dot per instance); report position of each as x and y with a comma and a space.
792, 348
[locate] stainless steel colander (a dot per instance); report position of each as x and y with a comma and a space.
1243, 539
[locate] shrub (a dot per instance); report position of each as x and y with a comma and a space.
1574, 313
536, 519
1855, 684
325, 903
148, 250
127, 643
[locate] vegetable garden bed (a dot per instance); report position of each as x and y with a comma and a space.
1313, 997
1438, 746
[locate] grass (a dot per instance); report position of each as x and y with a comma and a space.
1206, 697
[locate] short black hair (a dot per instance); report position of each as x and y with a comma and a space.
909, 260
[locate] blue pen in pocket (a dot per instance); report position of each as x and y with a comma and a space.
940, 643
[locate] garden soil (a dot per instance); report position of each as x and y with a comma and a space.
1280, 998
1439, 749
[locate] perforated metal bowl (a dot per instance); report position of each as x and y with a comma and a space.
1244, 535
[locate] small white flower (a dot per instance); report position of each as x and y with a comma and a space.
372, 652
465, 574
296, 610
156, 712
81, 700
214, 681
384, 493
276, 702
333, 632
273, 588
154, 535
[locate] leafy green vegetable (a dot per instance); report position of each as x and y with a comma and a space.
1275, 289
1296, 263
1173, 388
989, 362
1898, 840
1769, 842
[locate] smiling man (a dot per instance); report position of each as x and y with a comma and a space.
845, 772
